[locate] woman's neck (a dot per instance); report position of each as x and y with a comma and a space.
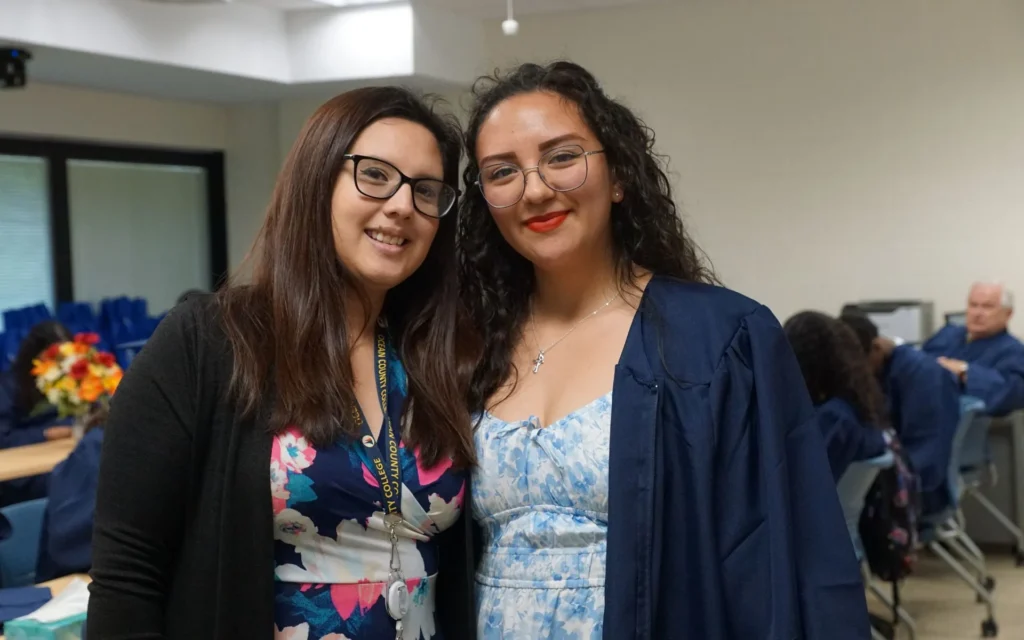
362, 315
569, 293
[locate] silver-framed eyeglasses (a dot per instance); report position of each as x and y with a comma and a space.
563, 169
379, 179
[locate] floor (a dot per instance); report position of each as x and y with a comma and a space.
944, 607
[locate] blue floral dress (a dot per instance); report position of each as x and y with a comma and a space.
541, 498
331, 549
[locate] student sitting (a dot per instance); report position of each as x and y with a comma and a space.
847, 400
923, 402
25, 415
65, 544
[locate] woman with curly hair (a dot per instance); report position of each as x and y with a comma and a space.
847, 399
637, 426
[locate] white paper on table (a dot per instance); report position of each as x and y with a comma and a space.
72, 601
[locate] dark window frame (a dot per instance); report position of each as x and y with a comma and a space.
57, 153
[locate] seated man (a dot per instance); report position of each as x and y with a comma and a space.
985, 359
922, 398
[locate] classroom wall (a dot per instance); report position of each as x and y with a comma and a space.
825, 150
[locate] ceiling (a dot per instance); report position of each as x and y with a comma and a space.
475, 8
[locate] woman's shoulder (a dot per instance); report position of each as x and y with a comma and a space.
699, 323
702, 304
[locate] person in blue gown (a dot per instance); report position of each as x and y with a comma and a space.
65, 544
649, 462
848, 403
986, 360
923, 400
25, 415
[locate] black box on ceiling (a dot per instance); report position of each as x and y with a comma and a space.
12, 68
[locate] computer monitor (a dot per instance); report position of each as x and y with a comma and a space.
907, 320
956, 318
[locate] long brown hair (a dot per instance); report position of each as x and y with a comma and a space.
287, 327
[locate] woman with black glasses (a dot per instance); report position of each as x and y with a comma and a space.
649, 466
283, 456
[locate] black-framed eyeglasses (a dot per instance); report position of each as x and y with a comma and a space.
563, 169
379, 179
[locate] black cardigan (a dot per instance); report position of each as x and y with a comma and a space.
183, 543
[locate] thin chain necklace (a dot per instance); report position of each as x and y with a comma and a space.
539, 360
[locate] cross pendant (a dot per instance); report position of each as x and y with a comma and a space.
539, 360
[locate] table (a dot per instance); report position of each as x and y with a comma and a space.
56, 586
33, 459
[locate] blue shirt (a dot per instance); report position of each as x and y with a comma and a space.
996, 371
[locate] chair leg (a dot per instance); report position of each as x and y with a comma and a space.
956, 545
967, 542
966, 576
901, 613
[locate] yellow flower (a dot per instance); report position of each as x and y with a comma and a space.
111, 382
67, 383
67, 349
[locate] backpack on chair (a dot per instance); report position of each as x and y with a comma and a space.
888, 524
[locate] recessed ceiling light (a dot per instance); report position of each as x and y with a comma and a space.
351, 3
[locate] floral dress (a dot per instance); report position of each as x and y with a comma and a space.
541, 498
331, 549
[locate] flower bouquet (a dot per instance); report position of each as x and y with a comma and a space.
76, 377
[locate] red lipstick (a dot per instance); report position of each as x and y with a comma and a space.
547, 222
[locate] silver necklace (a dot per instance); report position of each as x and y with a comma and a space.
539, 360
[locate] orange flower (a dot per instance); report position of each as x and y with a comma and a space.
91, 389
41, 367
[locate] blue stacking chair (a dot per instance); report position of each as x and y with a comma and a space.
942, 529
19, 553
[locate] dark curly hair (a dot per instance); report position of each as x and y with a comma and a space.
38, 340
861, 325
834, 364
647, 232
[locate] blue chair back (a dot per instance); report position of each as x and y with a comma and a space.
853, 488
970, 445
20, 552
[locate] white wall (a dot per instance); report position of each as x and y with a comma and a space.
64, 112
252, 161
825, 150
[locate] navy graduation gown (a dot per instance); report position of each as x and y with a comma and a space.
66, 539
17, 430
724, 521
996, 373
924, 405
847, 439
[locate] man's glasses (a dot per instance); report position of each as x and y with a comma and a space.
563, 169
378, 179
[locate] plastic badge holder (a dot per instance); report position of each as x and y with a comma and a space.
62, 618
